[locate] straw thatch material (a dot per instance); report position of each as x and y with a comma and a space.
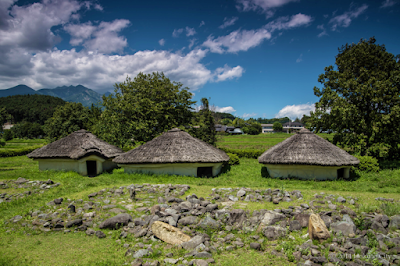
174, 146
307, 148
77, 145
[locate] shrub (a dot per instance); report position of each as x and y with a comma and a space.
2, 143
233, 159
18, 152
244, 153
8, 135
367, 164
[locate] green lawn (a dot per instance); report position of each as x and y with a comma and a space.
57, 248
257, 142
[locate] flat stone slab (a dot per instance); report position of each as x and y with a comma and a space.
168, 233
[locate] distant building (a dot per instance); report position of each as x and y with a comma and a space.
292, 126
7, 125
228, 129
267, 128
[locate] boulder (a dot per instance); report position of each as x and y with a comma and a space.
76, 222
344, 227
116, 221
303, 219
241, 193
273, 232
295, 225
255, 245
168, 233
100, 234
271, 218
236, 216
317, 228
188, 220
394, 222
208, 222
193, 242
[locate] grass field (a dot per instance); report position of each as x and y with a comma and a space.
257, 142
22, 143
57, 248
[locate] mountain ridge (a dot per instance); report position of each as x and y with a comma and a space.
79, 93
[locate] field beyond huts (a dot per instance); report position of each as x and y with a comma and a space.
37, 226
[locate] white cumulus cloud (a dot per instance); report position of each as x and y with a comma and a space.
247, 115
294, 111
226, 72
161, 42
268, 7
345, 19
228, 22
388, 3
227, 109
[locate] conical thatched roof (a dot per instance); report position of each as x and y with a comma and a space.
307, 148
79, 144
174, 146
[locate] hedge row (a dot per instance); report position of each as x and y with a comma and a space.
18, 152
244, 153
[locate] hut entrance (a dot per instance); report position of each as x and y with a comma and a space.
91, 167
204, 171
340, 172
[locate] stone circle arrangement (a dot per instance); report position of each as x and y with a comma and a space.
157, 227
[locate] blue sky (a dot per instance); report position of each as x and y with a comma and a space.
252, 58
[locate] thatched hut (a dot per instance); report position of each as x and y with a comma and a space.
80, 151
307, 156
174, 152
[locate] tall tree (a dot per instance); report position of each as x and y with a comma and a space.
360, 99
277, 127
142, 108
204, 124
67, 119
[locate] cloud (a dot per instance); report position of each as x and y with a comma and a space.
239, 40
190, 31
267, 7
227, 109
246, 115
299, 59
323, 32
202, 23
226, 72
345, 19
98, 7
294, 111
388, 3
161, 42
30, 26
177, 32
103, 38
243, 40
228, 22
192, 42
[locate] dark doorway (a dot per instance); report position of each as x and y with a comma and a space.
91, 167
340, 172
204, 172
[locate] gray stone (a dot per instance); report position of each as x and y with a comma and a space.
232, 198
241, 193
341, 200
295, 225
211, 207
273, 232
188, 220
271, 218
208, 222
255, 245
344, 227
303, 219
193, 242
394, 222
305, 206
94, 194
17, 218
332, 206
202, 254
236, 216
200, 262
90, 232
185, 206
76, 222
171, 261
100, 234
116, 221
141, 253
21, 180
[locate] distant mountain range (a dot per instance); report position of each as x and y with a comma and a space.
79, 94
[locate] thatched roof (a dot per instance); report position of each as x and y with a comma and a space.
174, 146
309, 149
79, 144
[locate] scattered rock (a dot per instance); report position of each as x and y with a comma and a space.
317, 228
116, 221
168, 233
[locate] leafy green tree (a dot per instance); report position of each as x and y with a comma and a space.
27, 130
360, 99
3, 117
205, 124
67, 119
252, 128
142, 108
8, 135
277, 127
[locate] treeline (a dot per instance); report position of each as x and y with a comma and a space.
30, 108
